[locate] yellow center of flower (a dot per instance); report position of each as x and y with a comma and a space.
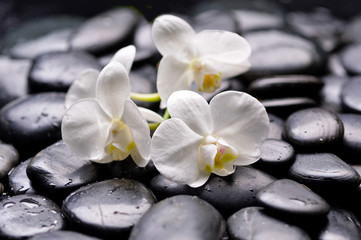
120, 141
206, 82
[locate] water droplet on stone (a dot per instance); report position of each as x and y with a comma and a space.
9, 204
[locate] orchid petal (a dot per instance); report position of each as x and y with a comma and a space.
113, 88
85, 128
192, 109
174, 151
173, 75
150, 115
82, 87
242, 121
140, 131
172, 35
125, 56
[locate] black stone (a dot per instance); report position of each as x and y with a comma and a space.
335, 67
1, 189
313, 127
33, 122
330, 94
353, 30
26, 215
342, 224
350, 95
19, 183
56, 71
285, 86
55, 171
249, 19
109, 208
254, 223
143, 42
62, 235
289, 197
9, 158
215, 20
276, 127
106, 31
13, 79
324, 172
350, 58
180, 217
351, 141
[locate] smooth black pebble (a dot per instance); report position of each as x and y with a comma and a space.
276, 127
330, 94
350, 95
351, 141
19, 182
62, 235
9, 158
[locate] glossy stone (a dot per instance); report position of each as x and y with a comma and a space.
13, 79
289, 197
19, 183
26, 215
324, 171
163, 188
56, 171
351, 141
180, 217
313, 127
143, 42
350, 58
285, 86
9, 158
350, 95
330, 94
33, 122
255, 222
62, 235
109, 208
216, 20
106, 31
276, 127
335, 67
56, 71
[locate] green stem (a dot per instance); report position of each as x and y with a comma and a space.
154, 126
145, 97
166, 114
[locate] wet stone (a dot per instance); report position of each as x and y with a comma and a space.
350, 95
350, 58
55, 171
330, 94
285, 86
26, 215
341, 224
9, 158
313, 127
324, 172
143, 42
215, 19
180, 217
106, 31
255, 222
335, 67
62, 235
33, 122
351, 141
19, 183
276, 127
289, 197
13, 78
109, 208
56, 71
353, 30
1, 189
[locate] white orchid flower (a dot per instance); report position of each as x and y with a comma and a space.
201, 139
110, 126
205, 57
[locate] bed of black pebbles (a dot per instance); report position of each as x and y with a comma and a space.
306, 70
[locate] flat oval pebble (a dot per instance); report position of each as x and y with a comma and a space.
19, 182
330, 94
13, 78
62, 235
216, 20
285, 86
105, 31
33, 122
143, 42
350, 95
351, 141
324, 171
56, 171
26, 215
276, 127
289, 197
313, 127
1, 189
341, 225
254, 223
9, 158
180, 217
109, 208
350, 58
56, 71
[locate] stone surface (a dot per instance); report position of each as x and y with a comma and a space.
106, 31
289, 197
62, 235
180, 217
13, 78
109, 208
19, 183
56, 171
9, 158
1, 189
276, 127
33, 122
26, 215
350, 58
143, 42
313, 127
254, 223
353, 30
351, 141
330, 94
216, 20
350, 95
56, 71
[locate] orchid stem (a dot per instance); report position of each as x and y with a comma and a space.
166, 114
154, 126
145, 97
